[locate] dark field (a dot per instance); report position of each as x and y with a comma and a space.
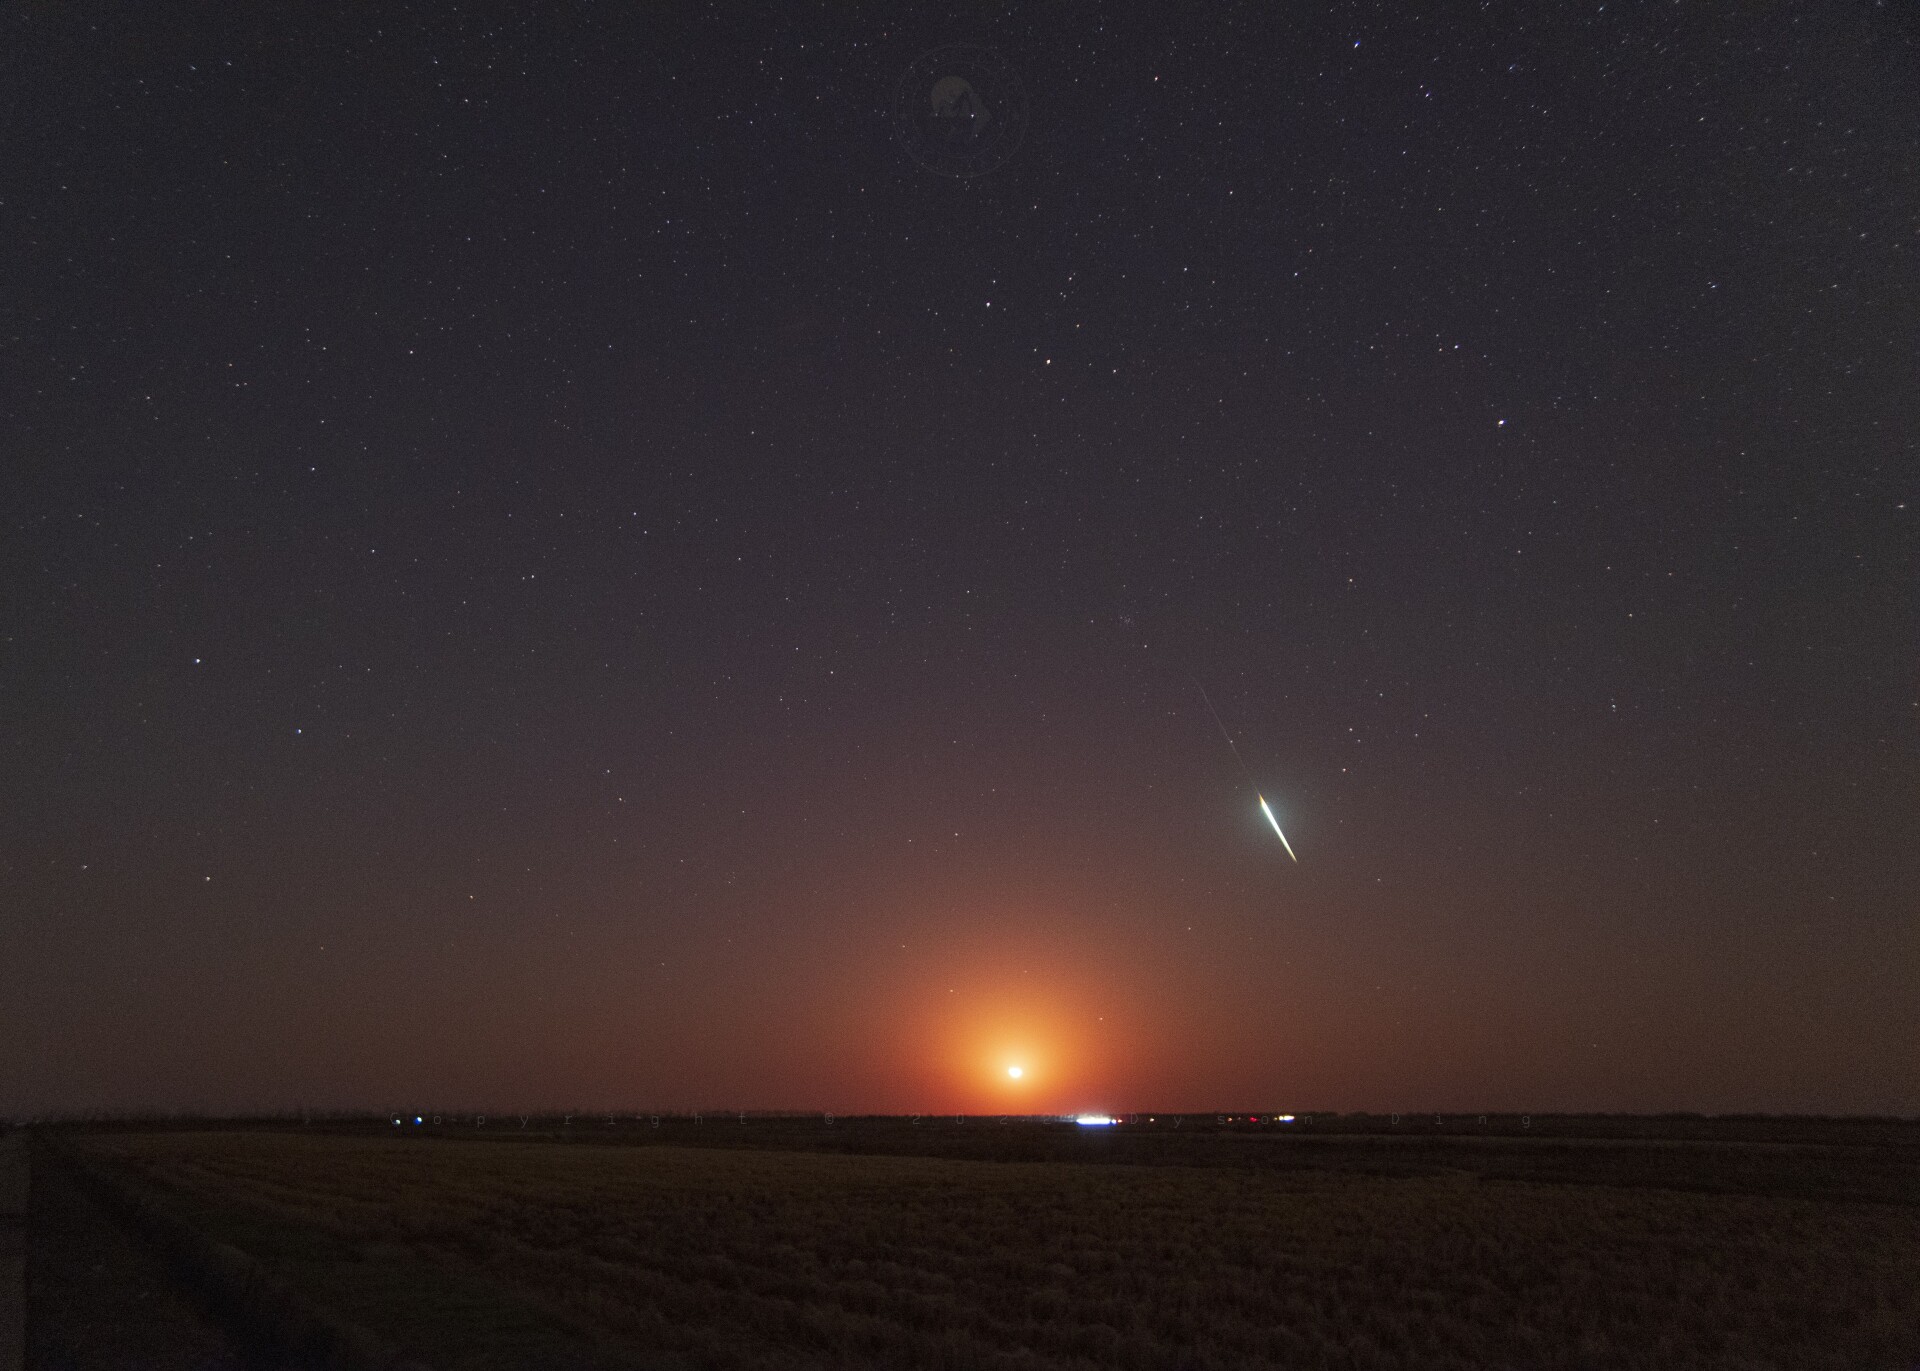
789, 1242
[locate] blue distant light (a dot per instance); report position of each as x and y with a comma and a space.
1094, 1121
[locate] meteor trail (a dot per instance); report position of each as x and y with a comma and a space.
1224, 734
1265, 808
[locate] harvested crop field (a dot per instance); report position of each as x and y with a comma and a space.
495, 1254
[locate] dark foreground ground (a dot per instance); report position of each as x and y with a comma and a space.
795, 1242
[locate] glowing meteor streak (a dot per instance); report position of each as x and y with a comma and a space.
1264, 809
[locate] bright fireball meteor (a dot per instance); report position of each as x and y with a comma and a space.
1267, 810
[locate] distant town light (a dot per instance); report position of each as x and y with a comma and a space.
1093, 1120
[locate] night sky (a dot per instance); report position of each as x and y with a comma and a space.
566, 559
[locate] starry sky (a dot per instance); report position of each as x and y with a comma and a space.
559, 558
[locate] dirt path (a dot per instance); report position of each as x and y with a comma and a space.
100, 1300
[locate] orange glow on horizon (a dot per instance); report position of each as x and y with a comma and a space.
1018, 1044
1012, 1005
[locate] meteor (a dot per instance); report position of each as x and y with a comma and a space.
1265, 808
1268, 811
